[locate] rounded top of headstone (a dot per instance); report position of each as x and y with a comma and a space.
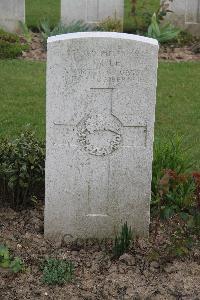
96, 34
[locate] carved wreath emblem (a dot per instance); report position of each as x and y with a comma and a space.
100, 135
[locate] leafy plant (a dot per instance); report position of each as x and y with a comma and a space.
169, 154
4, 257
123, 241
25, 31
110, 24
76, 26
7, 262
57, 271
10, 45
162, 33
176, 195
140, 16
22, 164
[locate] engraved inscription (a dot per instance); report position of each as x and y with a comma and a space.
100, 135
84, 73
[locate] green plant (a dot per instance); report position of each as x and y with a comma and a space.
110, 24
21, 169
169, 154
25, 32
175, 195
140, 16
47, 31
57, 271
162, 33
10, 45
123, 241
7, 262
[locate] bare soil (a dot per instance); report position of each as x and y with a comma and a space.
138, 274
37, 50
186, 53
170, 53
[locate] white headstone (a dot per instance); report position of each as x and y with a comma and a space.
91, 11
101, 95
185, 14
11, 12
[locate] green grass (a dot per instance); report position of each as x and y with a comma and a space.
22, 98
178, 105
38, 10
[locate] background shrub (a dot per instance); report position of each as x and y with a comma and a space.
47, 31
10, 45
22, 164
110, 24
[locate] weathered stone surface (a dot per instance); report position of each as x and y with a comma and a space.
185, 14
91, 11
11, 12
101, 93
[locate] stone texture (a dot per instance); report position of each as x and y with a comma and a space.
11, 12
91, 11
101, 94
185, 14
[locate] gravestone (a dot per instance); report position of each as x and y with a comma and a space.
11, 12
101, 93
91, 11
185, 14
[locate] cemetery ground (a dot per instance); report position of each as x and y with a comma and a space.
161, 267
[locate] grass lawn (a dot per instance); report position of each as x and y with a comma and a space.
37, 10
22, 98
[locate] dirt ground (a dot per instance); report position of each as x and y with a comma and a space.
97, 275
169, 53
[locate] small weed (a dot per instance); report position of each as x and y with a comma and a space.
123, 241
7, 262
57, 271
